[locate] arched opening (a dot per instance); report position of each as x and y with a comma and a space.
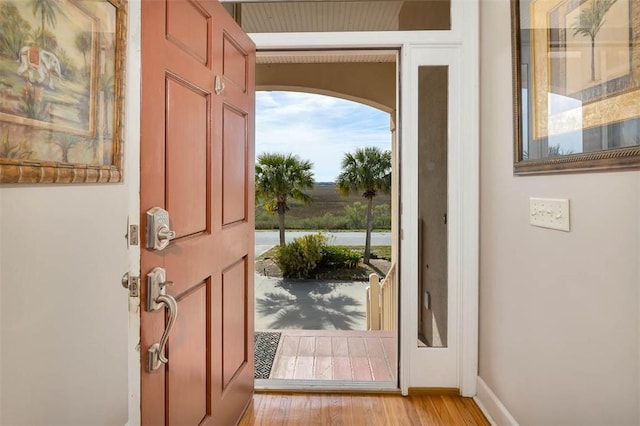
325, 337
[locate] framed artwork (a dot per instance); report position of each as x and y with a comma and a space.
576, 67
61, 90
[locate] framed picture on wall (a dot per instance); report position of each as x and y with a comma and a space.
61, 90
576, 66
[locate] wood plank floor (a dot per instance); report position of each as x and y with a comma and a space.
347, 409
335, 355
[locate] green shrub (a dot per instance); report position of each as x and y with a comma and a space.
299, 258
356, 215
330, 221
339, 257
382, 216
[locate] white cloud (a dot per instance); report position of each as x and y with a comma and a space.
317, 128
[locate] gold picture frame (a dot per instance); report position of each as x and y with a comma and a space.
62, 65
576, 85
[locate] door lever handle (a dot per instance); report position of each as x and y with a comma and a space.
157, 298
155, 354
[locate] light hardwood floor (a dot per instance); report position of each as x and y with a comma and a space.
371, 409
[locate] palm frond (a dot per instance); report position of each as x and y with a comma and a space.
367, 170
283, 176
591, 18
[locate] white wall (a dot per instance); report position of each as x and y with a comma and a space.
558, 311
64, 327
64, 313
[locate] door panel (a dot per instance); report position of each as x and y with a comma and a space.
197, 163
195, 37
234, 283
234, 65
234, 183
187, 381
186, 145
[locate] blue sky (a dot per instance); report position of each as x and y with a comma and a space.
317, 128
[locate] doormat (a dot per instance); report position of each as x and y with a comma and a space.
265, 346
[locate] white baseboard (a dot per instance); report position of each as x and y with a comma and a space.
493, 409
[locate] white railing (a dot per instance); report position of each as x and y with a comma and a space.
381, 301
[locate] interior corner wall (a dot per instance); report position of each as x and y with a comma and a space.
558, 311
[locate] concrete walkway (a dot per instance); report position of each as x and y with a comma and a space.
283, 303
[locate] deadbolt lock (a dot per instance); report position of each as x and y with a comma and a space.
158, 232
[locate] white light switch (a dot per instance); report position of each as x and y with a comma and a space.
549, 213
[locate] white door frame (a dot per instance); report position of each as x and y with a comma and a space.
462, 42
132, 181
459, 49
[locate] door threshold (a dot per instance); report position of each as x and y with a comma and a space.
339, 386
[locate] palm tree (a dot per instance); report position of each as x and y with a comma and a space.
589, 22
106, 85
65, 143
13, 30
280, 177
367, 170
47, 10
84, 44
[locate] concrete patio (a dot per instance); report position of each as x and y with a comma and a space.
323, 331
283, 303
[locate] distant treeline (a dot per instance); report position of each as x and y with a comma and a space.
329, 210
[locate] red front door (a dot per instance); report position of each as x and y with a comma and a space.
197, 153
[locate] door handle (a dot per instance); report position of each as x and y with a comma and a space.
155, 353
157, 299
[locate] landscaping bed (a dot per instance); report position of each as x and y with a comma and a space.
380, 264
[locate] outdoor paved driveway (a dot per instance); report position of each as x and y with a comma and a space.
309, 304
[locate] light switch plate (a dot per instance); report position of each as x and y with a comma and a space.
550, 213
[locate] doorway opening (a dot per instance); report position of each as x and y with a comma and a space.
327, 331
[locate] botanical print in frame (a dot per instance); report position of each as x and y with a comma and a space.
576, 84
61, 90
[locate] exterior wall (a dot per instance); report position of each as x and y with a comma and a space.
415, 16
558, 311
63, 313
372, 84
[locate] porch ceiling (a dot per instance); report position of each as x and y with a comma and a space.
263, 17
278, 16
326, 57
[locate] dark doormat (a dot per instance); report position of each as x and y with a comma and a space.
265, 346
